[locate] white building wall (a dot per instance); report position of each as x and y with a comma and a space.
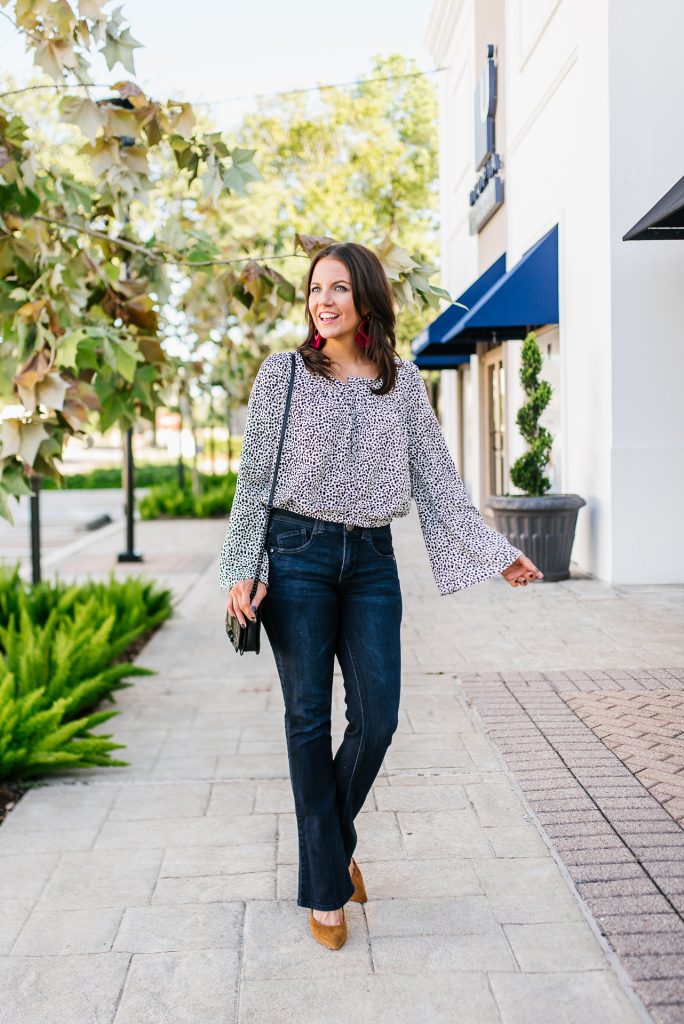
557, 167
452, 38
593, 94
470, 457
646, 159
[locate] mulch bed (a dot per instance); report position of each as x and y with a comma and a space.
10, 793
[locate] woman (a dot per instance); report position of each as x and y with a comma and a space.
361, 441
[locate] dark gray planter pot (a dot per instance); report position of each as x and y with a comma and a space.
543, 528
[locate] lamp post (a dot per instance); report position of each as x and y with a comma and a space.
212, 439
181, 466
130, 554
35, 528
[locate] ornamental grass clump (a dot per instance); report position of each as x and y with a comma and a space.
527, 472
62, 651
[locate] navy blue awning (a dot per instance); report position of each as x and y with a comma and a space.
523, 298
443, 360
430, 342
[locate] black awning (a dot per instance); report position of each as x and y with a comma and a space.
665, 220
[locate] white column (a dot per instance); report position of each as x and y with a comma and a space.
478, 439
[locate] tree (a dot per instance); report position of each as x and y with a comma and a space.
100, 254
80, 292
356, 164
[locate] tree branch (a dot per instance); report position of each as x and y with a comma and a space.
56, 85
26, 32
155, 254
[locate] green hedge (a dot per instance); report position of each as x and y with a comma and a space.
170, 501
146, 475
62, 651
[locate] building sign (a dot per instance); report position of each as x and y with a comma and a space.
485, 111
487, 195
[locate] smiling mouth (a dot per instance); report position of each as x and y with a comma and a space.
328, 318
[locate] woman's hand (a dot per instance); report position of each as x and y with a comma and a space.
238, 600
521, 572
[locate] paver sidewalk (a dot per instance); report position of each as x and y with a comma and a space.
164, 893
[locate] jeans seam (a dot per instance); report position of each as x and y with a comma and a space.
344, 556
301, 887
363, 724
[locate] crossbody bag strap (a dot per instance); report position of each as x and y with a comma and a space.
269, 506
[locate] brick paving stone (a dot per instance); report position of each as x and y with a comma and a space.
582, 843
640, 924
667, 868
669, 990
605, 779
561, 817
599, 828
660, 717
639, 886
667, 1014
653, 904
647, 943
655, 967
606, 872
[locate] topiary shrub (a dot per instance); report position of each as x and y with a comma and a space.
527, 472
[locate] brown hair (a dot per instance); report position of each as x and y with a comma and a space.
370, 291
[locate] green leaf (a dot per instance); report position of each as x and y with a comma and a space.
13, 199
68, 347
119, 49
114, 408
202, 252
126, 358
5, 510
13, 480
241, 172
16, 131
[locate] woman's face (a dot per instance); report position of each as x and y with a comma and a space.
331, 303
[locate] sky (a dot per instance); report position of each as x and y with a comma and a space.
223, 50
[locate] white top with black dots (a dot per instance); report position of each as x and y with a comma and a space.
350, 456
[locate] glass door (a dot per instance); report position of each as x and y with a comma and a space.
495, 406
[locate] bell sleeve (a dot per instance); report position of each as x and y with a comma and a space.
248, 514
462, 548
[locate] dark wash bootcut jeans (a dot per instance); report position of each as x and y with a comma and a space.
333, 591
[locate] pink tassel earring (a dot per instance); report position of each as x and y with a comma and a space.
361, 337
317, 341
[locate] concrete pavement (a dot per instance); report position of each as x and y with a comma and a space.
164, 893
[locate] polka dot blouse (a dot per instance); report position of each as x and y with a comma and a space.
351, 456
